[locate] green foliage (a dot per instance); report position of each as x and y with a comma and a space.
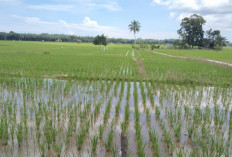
214, 40
191, 30
155, 46
100, 40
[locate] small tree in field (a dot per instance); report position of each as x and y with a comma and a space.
100, 40
214, 39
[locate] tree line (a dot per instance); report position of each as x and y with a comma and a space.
73, 38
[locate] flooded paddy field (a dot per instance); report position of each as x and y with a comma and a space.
49, 117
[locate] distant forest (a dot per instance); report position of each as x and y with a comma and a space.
73, 38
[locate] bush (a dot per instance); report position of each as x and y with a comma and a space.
155, 46
46, 53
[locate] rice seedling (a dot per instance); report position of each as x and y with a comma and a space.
42, 149
109, 141
179, 153
107, 111
81, 136
38, 135
204, 132
143, 92
48, 133
94, 141
127, 115
59, 149
190, 129
4, 135
155, 141
100, 130
207, 114
12, 131
114, 151
220, 148
157, 111
148, 114
117, 108
19, 134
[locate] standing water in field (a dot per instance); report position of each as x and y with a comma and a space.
46, 117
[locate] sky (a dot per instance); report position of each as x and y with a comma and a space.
159, 19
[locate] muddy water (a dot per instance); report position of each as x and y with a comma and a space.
63, 97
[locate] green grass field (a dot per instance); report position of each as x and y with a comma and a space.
223, 55
86, 61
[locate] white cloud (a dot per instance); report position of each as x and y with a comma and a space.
87, 22
58, 7
78, 5
217, 13
172, 15
204, 6
86, 27
110, 6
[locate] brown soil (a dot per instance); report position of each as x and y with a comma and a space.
140, 67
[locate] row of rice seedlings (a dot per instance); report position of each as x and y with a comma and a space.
150, 93
167, 137
152, 134
85, 127
155, 141
110, 138
85, 112
140, 146
116, 86
144, 97
72, 122
118, 105
109, 85
95, 138
125, 123
4, 126
107, 110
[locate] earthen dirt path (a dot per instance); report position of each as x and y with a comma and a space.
197, 59
140, 67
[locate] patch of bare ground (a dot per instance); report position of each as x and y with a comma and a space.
198, 59
140, 67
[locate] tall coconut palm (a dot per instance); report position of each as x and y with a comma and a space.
135, 27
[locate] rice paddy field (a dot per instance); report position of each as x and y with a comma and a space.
69, 99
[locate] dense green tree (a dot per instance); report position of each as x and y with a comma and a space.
100, 40
191, 31
214, 40
134, 27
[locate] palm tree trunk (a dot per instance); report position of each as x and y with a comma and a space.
135, 39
